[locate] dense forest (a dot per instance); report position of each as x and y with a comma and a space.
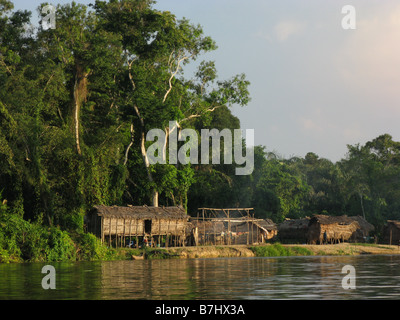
76, 103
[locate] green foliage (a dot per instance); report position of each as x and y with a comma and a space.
90, 247
76, 103
277, 250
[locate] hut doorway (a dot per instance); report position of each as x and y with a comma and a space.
147, 226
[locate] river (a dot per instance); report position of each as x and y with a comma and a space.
377, 277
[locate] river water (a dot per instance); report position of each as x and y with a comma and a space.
377, 277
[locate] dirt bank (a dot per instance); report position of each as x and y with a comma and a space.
351, 249
245, 251
212, 252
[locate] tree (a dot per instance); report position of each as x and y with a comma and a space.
156, 46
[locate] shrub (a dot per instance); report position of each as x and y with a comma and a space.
277, 250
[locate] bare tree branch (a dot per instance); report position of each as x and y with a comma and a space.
200, 114
174, 72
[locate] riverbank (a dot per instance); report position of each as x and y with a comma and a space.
271, 250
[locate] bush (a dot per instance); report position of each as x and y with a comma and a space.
90, 247
277, 250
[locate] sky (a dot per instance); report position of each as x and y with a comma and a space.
315, 86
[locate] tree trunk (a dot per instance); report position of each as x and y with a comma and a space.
362, 205
79, 94
147, 165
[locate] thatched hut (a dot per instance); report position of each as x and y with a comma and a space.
365, 229
267, 228
250, 231
331, 229
118, 223
391, 232
293, 230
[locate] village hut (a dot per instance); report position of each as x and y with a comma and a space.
293, 230
391, 232
140, 224
267, 229
362, 234
331, 229
208, 232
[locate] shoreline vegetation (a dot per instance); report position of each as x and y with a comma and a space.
23, 241
265, 250
77, 103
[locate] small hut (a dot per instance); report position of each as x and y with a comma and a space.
331, 229
293, 230
251, 231
365, 229
391, 232
267, 229
215, 226
154, 225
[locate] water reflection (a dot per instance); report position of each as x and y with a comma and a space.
226, 278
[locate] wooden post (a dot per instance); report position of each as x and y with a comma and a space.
248, 230
102, 228
123, 236
159, 232
167, 237
116, 232
130, 231
184, 235
137, 237
109, 232
176, 230
197, 230
236, 235
204, 225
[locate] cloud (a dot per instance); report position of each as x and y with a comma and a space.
285, 29
369, 59
281, 31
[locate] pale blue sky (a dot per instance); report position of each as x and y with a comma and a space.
314, 86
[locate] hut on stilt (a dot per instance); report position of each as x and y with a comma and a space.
138, 225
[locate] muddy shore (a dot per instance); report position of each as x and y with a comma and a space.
246, 251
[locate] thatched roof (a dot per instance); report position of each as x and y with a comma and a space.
327, 220
364, 224
266, 224
395, 223
294, 224
142, 212
294, 229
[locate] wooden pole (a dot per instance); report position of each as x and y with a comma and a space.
109, 232
102, 228
123, 236
197, 229
130, 232
204, 227
167, 237
137, 237
248, 231
176, 231
116, 232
